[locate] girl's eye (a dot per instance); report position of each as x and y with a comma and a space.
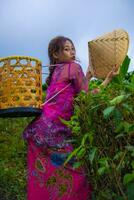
66, 49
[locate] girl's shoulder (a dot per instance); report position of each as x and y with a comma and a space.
73, 69
73, 66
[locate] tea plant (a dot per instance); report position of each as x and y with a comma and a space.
103, 131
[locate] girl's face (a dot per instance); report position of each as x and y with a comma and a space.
68, 53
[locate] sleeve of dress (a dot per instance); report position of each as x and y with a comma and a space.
78, 78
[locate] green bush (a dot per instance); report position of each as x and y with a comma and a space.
103, 133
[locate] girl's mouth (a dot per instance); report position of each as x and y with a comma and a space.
73, 57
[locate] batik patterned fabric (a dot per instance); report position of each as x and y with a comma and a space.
48, 129
48, 179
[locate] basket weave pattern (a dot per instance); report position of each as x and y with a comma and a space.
20, 82
107, 51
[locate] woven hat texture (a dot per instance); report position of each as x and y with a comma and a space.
107, 51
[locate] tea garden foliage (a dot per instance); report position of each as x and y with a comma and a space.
103, 135
103, 138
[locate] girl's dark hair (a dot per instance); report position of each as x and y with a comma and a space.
56, 45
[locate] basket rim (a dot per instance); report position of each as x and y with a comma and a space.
105, 34
20, 57
20, 112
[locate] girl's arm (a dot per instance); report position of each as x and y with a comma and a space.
89, 73
107, 80
114, 72
81, 81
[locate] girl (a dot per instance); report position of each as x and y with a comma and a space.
48, 138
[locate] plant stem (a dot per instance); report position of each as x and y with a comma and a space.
121, 160
118, 184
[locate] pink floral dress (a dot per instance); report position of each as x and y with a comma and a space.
48, 141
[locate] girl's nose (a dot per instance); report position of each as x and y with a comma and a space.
72, 52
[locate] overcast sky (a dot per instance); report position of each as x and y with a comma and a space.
27, 26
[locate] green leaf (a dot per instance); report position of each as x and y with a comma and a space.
128, 178
128, 107
124, 67
131, 128
132, 78
130, 148
76, 165
81, 152
130, 87
120, 127
64, 121
102, 170
87, 136
118, 155
117, 100
104, 161
108, 111
119, 198
84, 139
92, 154
128, 127
117, 116
130, 191
119, 135
72, 154
132, 164
125, 127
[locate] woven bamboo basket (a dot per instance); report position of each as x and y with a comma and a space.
107, 51
20, 86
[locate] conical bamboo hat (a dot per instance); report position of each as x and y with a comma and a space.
107, 51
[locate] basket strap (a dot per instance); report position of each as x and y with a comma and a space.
56, 94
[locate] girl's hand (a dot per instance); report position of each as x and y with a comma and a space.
114, 72
95, 91
89, 74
